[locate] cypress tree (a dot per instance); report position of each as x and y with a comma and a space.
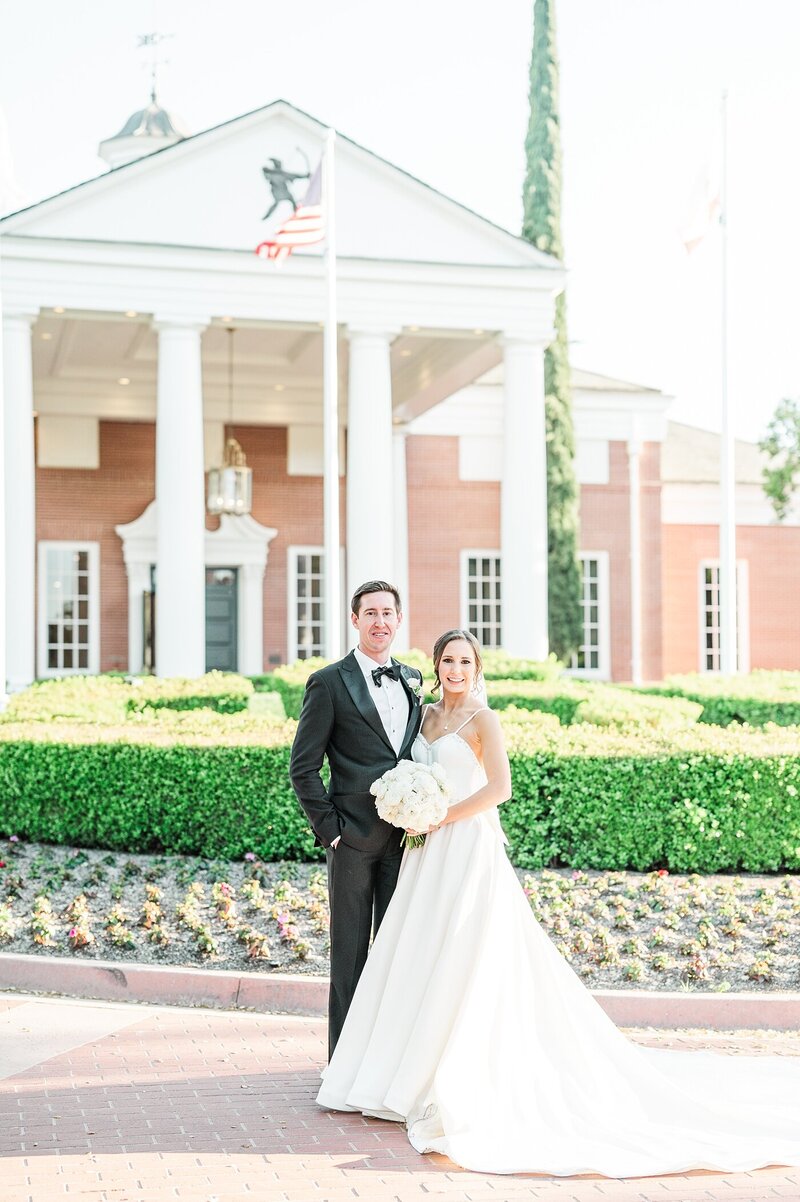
542, 227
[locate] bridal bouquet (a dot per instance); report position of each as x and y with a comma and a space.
412, 795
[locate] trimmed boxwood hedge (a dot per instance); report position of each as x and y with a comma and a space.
694, 800
289, 680
756, 699
112, 698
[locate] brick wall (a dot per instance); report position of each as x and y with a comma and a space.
605, 526
445, 516
79, 505
293, 506
773, 558
87, 505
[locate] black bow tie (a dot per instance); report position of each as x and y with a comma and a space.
392, 670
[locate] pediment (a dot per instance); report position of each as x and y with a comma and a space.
209, 191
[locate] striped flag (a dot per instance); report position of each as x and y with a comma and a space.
305, 226
705, 209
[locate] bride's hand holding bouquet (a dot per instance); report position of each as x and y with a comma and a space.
414, 797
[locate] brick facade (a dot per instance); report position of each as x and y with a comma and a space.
446, 516
772, 554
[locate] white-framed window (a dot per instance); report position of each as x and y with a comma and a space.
593, 656
306, 602
69, 609
709, 649
481, 596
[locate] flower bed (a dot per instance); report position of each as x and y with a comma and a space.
617, 929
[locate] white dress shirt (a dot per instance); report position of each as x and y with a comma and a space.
391, 700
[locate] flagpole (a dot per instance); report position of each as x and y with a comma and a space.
727, 525
330, 415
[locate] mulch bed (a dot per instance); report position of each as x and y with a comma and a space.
617, 929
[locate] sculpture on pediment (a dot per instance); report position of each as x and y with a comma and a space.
279, 180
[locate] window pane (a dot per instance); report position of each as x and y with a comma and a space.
308, 624
587, 656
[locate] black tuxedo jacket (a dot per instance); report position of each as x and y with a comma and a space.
339, 719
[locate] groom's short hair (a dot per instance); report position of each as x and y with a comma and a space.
374, 586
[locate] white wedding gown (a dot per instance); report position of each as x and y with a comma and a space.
470, 1027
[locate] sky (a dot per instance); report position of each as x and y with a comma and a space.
440, 87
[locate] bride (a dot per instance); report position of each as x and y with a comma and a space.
469, 1027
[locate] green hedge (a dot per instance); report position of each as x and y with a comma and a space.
175, 782
112, 698
289, 680
698, 799
693, 800
756, 698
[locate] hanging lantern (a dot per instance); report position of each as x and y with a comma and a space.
230, 487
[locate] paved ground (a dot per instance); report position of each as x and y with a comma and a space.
125, 1103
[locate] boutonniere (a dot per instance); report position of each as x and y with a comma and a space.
417, 688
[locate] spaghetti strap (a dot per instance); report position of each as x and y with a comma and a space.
469, 719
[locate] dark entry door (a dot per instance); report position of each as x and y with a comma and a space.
221, 605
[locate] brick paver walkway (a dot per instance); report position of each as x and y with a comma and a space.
212, 1106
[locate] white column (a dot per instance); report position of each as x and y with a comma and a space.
180, 529
20, 501
635, 534
523, 501
251, 619
401, 577
370, 493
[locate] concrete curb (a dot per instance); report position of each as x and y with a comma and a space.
281, 993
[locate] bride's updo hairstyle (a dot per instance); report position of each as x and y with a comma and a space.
451, 636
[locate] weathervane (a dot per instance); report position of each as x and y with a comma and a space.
279, 180
152, 41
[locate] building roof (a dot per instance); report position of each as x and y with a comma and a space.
514, 250
690, 455
591, 381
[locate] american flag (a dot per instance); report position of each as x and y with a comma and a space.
305, 226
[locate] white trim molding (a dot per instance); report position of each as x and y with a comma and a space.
239, 542
603, 623
292, 555
742, 615
92, 619
466, 600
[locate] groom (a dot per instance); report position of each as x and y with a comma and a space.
363, 713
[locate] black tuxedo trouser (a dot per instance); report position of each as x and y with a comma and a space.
360, 887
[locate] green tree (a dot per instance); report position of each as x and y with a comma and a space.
542, 227
781, 444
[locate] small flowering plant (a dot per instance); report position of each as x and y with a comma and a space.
413, 797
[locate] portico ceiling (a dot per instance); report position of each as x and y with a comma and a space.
105, 366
